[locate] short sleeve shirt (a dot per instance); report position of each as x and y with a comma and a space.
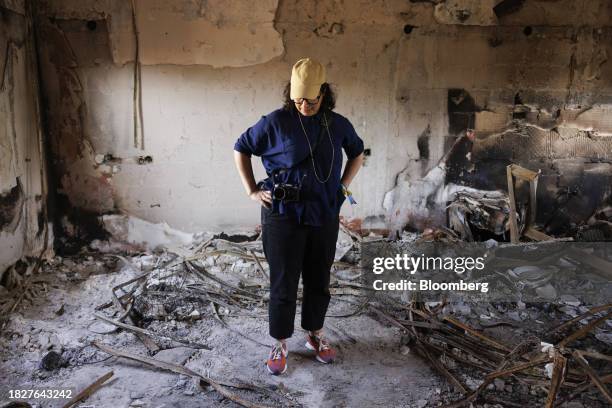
283, 145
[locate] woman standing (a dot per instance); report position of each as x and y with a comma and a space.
300, 146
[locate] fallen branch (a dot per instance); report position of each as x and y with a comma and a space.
476, 333
519, 367
203, 246
583, 316
261, 268
184, 371
581, 389
594, 354
95, 386
584, 330
390, 319
358, 310
592, 375
559, 364
150, 333
202, 273
421, 349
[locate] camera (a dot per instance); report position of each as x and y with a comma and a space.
286, 192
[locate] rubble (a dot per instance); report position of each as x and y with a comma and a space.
458, 351
489, 352
52, 361
598, 226
485, 210
130, 230
416, 202
533, 82
164, 295
497, 349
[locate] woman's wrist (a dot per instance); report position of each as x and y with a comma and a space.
348, 194
252, 189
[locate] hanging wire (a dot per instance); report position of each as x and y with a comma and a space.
137, 97
331, 165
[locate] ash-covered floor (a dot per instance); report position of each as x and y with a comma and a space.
373, 368
185, 325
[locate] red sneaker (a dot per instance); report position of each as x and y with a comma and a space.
325, 353
277, 361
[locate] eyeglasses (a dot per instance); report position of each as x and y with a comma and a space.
309, 102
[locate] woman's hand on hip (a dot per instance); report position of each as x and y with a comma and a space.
263, 197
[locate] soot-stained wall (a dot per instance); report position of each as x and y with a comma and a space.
23, 213
536, 76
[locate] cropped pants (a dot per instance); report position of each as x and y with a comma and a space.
292, 250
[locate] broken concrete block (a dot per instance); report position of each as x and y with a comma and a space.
604, 337
135, 395
177, 355
548, 292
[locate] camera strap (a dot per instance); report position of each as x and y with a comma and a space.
324, 123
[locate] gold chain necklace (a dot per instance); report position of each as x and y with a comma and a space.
331, 164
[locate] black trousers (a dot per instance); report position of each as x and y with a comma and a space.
292, 249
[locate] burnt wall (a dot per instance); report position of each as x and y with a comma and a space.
411, 76
23, 197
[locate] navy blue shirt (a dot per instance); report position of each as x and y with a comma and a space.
279, 140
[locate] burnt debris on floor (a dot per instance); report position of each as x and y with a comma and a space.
196, 316
545, 337
525, 340
191, 324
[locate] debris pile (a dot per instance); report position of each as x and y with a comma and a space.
545, 370
219, 279
598, 227
509, 353
214, 281
483, 210
525, 341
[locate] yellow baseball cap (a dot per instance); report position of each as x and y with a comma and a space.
307, 76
